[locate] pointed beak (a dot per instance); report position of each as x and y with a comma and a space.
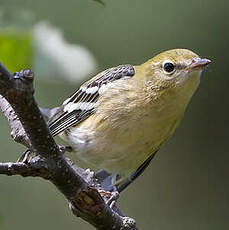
198, 64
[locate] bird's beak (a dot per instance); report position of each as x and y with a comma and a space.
198, 64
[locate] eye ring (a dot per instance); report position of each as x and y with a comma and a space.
168, 67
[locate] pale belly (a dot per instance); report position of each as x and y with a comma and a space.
120, 148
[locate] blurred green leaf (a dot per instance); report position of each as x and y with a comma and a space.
16, 51
1, 220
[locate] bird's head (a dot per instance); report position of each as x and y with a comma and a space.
174, 73
175, 66
177, 69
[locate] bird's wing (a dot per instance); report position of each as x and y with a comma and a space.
136, 173
83, 102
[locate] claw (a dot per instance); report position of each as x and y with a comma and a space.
24, 158
110, 197
113, 199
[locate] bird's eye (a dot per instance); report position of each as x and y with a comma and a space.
168, 67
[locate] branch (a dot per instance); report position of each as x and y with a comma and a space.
18, 132
77, 185
34, 168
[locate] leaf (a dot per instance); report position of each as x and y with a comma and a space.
16, 50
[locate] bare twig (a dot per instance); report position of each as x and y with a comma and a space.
34, 168
78, 186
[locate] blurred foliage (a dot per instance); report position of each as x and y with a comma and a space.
16, 50
186, 185
1, 219
99, 1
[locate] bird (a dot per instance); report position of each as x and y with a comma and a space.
119, 119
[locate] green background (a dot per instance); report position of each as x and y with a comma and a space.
186, 186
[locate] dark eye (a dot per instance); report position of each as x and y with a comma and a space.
168, 67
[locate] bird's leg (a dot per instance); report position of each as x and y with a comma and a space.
24, 158
135, 174
108, 189
106, 179
111, 197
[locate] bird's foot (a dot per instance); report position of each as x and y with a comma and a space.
110, 197
25, 157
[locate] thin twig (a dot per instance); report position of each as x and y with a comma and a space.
32, 169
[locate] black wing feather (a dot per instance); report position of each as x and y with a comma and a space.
66, 119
